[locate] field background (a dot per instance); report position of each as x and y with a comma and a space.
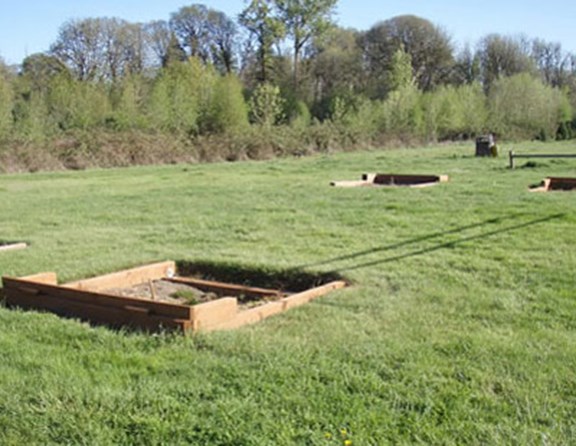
459, 328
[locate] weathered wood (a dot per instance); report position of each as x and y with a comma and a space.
210, 314
130, 316
561, 183
47, 292
359, 183
303, 297
380, 179
13, 246
555, 184
251, 316
261, 312
49, 278
220, 287
126, 278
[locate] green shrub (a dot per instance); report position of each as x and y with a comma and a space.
6, 105
267, 106
522, 107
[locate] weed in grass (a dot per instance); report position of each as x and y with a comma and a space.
188, 296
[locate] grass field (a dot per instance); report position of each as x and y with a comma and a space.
460, 326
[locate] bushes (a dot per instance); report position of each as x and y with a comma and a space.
454, 112
6, 105
206, 114
522, 107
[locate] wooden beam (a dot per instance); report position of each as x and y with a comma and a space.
261, 312
210, 314
13, 246
49, 278
303, 297
512, 155
15, 288
221, 287
130, 316
359, 183
126, 278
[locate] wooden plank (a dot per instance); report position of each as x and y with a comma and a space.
251, 316
561, 183
92, 298
13, 247
221, 287
359, 183
261, 312
126, 278
306, 296
512, 155
543, 155
135, 317
49, 278
210, 314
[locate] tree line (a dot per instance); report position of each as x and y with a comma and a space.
283, 73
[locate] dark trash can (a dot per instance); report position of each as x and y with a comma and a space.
485, 146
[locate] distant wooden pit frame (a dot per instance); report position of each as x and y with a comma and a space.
390, 180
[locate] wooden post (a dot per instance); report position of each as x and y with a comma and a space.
511, 159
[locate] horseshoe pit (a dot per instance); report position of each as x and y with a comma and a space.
153, 297
12, 246
556, 184
382, 179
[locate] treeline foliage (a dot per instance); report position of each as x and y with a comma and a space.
283, 78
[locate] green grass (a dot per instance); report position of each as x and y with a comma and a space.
460, 327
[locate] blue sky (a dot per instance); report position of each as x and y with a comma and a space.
30, 26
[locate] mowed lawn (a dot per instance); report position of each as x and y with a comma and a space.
459, 328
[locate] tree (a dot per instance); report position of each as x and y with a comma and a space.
400, 75
466, 68
223, 32
158, 36
266, 29
502, 56
304, 20
79, 46
181, 98
266, 106
551, 62
103, 48
207, 34
428, 46
75, 104
336, 59
229, 111
123, 47
190, 25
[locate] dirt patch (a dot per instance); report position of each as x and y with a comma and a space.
184, 294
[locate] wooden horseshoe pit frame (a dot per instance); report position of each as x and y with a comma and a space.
12, 246
385, 179
556, 184
91, 300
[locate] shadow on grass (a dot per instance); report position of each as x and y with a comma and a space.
436, 247
294, 279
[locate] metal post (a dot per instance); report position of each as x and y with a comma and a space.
511, 158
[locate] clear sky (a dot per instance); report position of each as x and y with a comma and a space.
31, 26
